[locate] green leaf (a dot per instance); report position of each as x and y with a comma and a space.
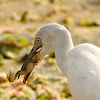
29, 92
23, 42
1, 90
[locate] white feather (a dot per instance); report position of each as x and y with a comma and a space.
81, 64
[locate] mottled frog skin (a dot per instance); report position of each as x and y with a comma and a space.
26, 69
11, 76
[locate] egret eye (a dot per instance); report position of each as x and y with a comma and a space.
37, 40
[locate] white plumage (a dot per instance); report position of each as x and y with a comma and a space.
83, 72
80, 64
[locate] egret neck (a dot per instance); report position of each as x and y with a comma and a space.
64, 45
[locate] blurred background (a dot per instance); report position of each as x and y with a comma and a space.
19, 22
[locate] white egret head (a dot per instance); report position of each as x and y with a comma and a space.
45, 41
47, 37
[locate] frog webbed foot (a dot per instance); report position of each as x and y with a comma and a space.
28, 78
11, 76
